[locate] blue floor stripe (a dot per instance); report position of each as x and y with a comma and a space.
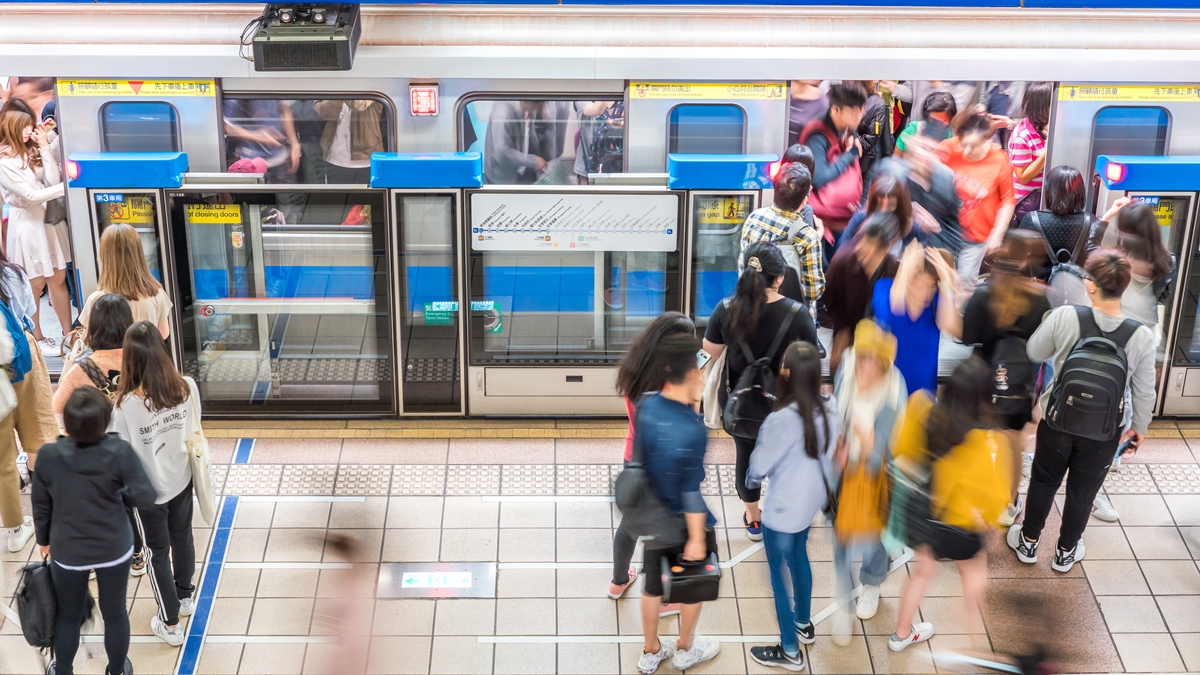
242, 450
190, 657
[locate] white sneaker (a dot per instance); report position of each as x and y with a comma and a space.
49, 347
868, 602
20, 535
1010, 513
1065, 560
648, 663
1026, 550
1115, 467
841, 628
1027, 464
920, 633
1103, 509
23, 472
703, 649
187, 606
172, 635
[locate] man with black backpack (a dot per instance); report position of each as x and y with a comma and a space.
1096, 354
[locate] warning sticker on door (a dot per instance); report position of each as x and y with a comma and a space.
214, 214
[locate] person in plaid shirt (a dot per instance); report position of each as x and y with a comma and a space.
782, 225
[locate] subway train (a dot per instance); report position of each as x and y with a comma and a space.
377, 242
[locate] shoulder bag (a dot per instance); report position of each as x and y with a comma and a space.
202, 477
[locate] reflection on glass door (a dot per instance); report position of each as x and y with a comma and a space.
429, 310
138, 210
284, 299
716, 244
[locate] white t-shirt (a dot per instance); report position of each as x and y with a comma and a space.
154, 309
160, 439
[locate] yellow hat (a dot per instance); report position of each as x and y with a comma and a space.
871, 340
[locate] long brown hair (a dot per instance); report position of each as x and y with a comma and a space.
123, 269
1010, 284
12, 131
802, 386
147, 371
1141, 238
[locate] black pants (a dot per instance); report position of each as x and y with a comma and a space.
744, 448
138, 544
70, 589
170, 552
1088, 463
623, 546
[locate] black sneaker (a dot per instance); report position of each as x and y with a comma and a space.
1065, 560
776, 657
807, 634
50, 670
127, 671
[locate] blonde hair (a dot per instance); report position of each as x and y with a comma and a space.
12, 132
123, 269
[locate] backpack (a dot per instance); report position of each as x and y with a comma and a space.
753, 397
1088, 399
786, 247
1013, 376
22, 360
643, 513
838, 199
1066, 278
36, 604
607, 154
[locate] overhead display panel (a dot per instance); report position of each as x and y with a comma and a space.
532, 221
1134, 93
155, 88
708, 90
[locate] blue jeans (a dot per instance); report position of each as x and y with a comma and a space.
874, 566
790, 549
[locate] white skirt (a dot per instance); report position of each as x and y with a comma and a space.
38, 248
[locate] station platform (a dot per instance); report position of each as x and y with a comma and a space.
530, 499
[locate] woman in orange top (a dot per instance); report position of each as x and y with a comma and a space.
983, 177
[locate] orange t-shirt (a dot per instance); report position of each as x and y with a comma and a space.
983, 187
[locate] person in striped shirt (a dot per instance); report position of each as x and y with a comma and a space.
1027, 147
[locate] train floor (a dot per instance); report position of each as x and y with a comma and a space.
531, 499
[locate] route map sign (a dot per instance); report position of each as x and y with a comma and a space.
561, 222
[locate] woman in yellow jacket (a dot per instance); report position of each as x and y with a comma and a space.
949, 447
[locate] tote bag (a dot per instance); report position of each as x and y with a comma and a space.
202, 476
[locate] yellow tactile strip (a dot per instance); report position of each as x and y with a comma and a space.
421, 428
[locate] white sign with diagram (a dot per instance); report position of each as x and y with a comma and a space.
557, 222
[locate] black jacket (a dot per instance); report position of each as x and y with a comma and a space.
79, 498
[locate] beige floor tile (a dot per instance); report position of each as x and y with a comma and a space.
1141, 510
757, 616
629, 619
825, 628
301, 514
272, 659
1189, 649
943, 646
281, 616
826, 657
945, 582
949, 615
1172, 577
527, 545
230, 616
343, 583
1155, 543
246, 545
525, 514
736, 543
219, 658
152, 658
1182, 612
526, 616
1185, 509
294, 544
536, 659
1107, 543
253, 514
1148, 653
720, 617
589, 659
527, 583
287, 583
329, 615
18, 657
403, 617
753, 580
139, 616
411, 545
460, 656
469, 545
916, 659
580, 545
1191, 537
465, 617
398, 655
414, 512
588, 583
893, 587
238, 583
731, 660
585, 514
884, 621
577, 616
470, 512
1115, 577
365, 546
368, 514
1131, 614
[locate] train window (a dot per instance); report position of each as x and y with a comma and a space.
128, 126
702, 128
1129, 131
308, 141
545, 142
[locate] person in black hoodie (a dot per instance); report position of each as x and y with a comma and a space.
80, 489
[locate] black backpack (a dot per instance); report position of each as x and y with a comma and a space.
36, 604
607, 154
643, 513
1088, 399
1013, 376
753, 397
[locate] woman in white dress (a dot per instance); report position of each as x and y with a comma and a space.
29, 179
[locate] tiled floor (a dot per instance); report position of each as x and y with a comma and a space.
537, 508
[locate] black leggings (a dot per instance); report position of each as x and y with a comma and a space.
623, 545
70, 589
744, 448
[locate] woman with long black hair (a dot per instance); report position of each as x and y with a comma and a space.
748, 323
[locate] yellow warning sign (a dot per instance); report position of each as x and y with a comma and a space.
156, 88
1165, 212
707, 90
1129, 93
214, 214
134, 210
717, 210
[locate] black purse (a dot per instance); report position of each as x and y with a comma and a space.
56, 211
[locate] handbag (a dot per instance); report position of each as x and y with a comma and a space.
202, 475
56, 211
862, 501
714, 377
691, 581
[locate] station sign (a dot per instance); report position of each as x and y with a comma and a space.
1128, 93
437, 580
140, 88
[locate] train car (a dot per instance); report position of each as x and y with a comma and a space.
478, 217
